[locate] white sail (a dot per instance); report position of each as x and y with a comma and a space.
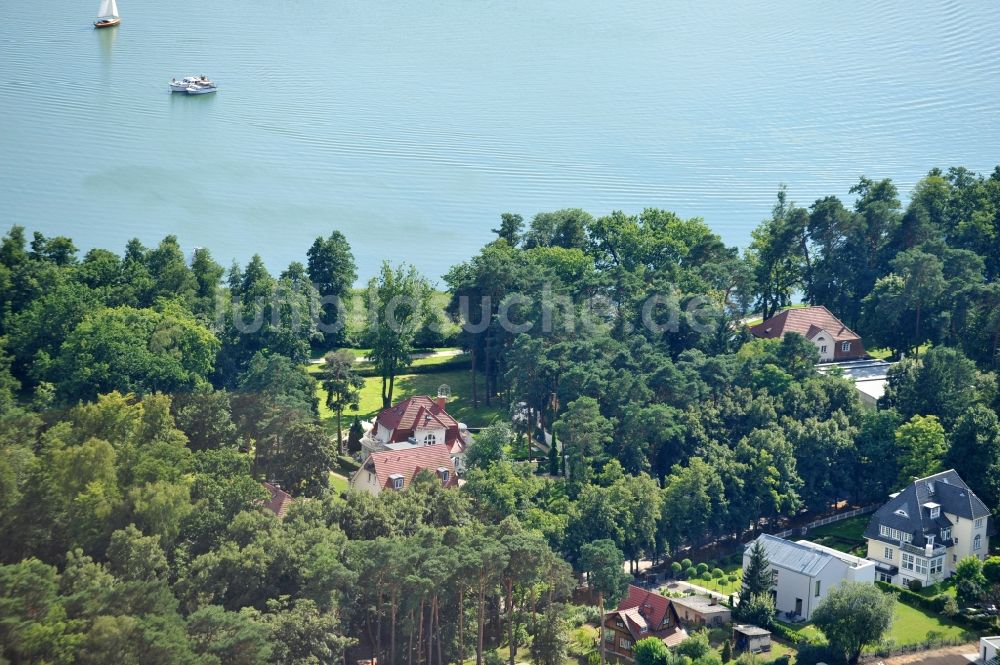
108, 8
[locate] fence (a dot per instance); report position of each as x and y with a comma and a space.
864, 510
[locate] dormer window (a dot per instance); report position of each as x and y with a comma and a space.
902, 513
945, 534
396, 480
935, 512
444, 474
430, 439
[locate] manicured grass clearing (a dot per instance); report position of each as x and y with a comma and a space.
846, 536
408, 385
339, 483
910, 626
722, 585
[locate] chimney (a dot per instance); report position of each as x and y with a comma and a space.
441, 401
928, 548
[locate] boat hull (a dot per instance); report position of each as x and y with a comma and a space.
107, 23
200, 91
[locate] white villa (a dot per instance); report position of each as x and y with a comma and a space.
923, 531
804, 573
416, 422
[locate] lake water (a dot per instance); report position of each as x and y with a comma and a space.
411, 126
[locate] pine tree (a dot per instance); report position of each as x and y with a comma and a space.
757, 579
553, 457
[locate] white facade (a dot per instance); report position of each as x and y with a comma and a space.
365, 481
988, 647
825, 345
804, 573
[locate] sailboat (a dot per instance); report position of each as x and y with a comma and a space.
107, 15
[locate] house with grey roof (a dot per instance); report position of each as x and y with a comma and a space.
924, 530
804, 572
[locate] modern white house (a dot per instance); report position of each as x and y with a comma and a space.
988, 647
804, 573
924, 530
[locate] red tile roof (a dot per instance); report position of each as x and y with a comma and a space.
279, 501
408, 463
420, 412
648, 614
652, 606
806, 321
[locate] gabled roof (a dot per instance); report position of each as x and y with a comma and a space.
650, 605
803, 556
279, 501
806, 321
409, 463
906, 513
416, 412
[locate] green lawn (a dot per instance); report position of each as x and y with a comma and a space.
408, 385
722, 585
339, 483
910, 626
846, 535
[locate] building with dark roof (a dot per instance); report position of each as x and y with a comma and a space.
641, 614
923, 531
396, 469
832, 338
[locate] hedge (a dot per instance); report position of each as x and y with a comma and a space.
936, 605
930, 603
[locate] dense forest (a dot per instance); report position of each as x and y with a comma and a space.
143, 396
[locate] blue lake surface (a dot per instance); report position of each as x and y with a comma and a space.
410, 126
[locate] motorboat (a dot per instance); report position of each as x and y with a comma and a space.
107, 14
202, 88
187, 82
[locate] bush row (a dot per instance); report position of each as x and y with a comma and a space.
930, 603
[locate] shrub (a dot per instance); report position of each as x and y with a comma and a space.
915, 585
347, 463
685, 563
702, 568
727, 651
813, 654
717, 573
676, 568
707, 576
950, 607
732, 578
695, 646
494, 658
690, 572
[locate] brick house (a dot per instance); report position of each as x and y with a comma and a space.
641, 614
832, 338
